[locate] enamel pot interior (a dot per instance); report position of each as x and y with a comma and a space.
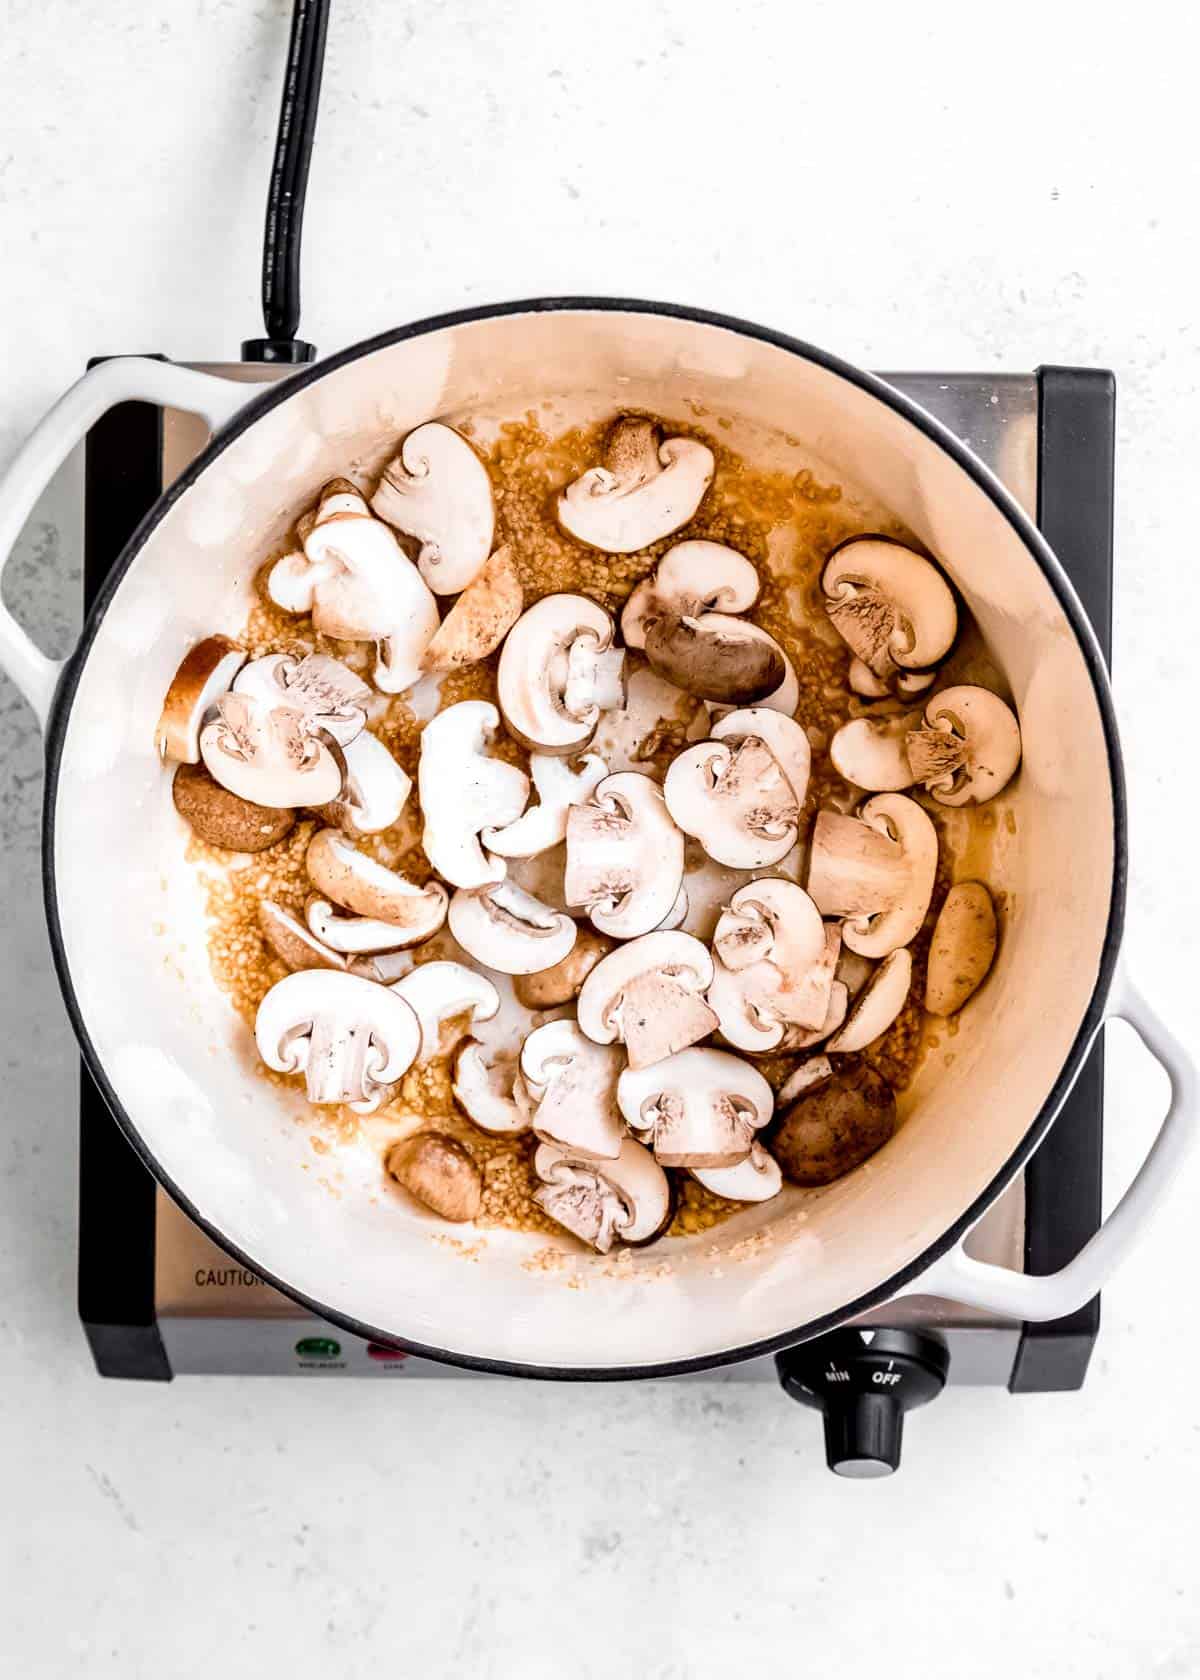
178, 1064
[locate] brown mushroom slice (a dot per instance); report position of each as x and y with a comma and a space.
438, 490
573, 1081
691, 578
876, 1006
715, 657
627, 1199
357, 883
963, 948
480, 619
291, 941
870, 752
492, 1093
756, 1179
875, 872
220, 818
649, 996
700, 1108
440, 1173
646, 488
890, 605
736, 800
548, 988
969, 749
834, 1127
205, 673
624, 856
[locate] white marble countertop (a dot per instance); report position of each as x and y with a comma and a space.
911, 187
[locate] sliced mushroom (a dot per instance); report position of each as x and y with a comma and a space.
463, 791
736, 800
205, 673
815, 1071
627, 1199
890, 605
782, 736
876, 871
963, 948
756, 1179
480, 619
330, 696
370, 890
649, 996
834, 1127
700, 1108
870, 752
690, 579
366, 936
349, 1038
558, 786
574, 1084
904, 685
492, 1093
359, 586
969, 749
385, 967
548, 988
802, 1038
876, 1006
624, 856
507, 929
775, 962
715, 656
268, 756
446, 991
646, 488
440, 1172
558, 672
656, 721
291, 941
437, 490
375, 788
221, 818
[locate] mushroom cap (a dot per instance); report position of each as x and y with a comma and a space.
436, 991
624, 856
701, 1106
492, 1093
756, 1179
205, 673
691, 577
438, 490
877, 1005
736, 800
463, 791
221, 819
783, 737
532, 680
330, 696
291, 941
356, 882
375, 788
480, 619
573, 1082
626, 1198
507, 929
267, 756
889, 604
835, 1126
870, 753
970, 747
645, 490
439, 1172
963, 947
549, 988
649, 995
715, 656
349, 1037
558, 786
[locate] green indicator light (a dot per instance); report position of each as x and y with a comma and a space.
318, 1347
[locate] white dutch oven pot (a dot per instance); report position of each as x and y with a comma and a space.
175, 1064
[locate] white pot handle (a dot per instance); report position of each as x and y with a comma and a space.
1009, 1294
124, 379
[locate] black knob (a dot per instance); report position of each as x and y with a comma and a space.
864, 1381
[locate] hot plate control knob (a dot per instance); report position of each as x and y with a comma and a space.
864, 1381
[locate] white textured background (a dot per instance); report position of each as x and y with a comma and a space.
921, 185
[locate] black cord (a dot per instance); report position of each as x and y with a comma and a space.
289, 184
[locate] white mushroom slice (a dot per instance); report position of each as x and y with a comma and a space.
775, 963
558, 787
268, 757
438, 490
574, 1083
374, 788
558, 672
359, 936
493, 1093
291, 941
877, 1006
349, 1038
969, 749
359, 586
601, 1202
871, 752
649, 995
756, 1179
700, 1108
205, 673
903, 684
736, 800
879, 882
357, 883
815, 1071
463, 791
480, 619
507, 929
691, 578
890, 605
442, 991
802, 1038
624, 856
647, 487
783, 737
331, 697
